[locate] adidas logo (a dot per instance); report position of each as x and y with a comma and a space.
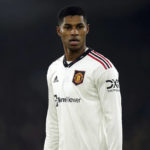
56, 79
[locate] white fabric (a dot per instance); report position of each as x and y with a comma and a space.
85, 116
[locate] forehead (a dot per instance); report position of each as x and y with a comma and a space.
73, 20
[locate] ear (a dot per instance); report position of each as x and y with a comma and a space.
88, 28
58, 30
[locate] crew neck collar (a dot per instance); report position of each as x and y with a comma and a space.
87, 50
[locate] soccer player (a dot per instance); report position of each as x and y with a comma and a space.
84, 111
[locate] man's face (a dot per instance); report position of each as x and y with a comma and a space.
73, 31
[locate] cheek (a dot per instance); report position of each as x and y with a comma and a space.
84, 32
83, 35
64, 38
65, 34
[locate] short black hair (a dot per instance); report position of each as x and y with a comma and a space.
70, 11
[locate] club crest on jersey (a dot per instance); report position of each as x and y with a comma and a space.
78, 77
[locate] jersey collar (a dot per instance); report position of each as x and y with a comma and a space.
77, 59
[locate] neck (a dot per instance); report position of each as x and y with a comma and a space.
71, 55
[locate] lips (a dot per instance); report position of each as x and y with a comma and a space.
74, 42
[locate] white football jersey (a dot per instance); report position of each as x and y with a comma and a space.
84, 111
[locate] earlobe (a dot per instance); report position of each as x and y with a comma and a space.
88, 27
58, 30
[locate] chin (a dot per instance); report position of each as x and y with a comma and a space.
75, 49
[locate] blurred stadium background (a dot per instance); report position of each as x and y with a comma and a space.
120, 30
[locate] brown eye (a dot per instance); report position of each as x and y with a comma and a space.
67, 27
80, 26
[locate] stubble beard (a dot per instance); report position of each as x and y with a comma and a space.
74, 50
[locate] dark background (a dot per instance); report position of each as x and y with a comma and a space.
120, 30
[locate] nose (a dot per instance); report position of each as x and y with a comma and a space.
74, 32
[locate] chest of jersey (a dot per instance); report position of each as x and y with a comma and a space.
74, 84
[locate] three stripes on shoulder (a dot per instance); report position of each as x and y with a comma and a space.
101, 59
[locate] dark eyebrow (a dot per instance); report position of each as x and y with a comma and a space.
67, 24
80, 24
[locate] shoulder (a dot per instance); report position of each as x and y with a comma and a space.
102, 66
54, 65
100, 62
